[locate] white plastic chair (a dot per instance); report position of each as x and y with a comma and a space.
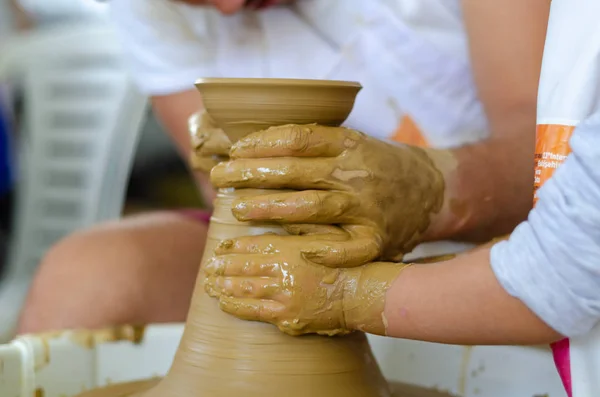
82, 120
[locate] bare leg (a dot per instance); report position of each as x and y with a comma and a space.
134, 271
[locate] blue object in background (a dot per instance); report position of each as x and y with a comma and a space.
6, 180
6, 175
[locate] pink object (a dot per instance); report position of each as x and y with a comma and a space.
198, 215
562, 359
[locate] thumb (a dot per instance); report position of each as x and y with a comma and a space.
204, 163
217, 143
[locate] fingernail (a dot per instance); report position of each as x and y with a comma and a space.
211, 292
213, 266
209, 287
224, 246
241, 145
224, 286
216, 174
247, 287
240, 210
234, 150
313, 253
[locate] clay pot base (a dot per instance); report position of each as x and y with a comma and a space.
134, 389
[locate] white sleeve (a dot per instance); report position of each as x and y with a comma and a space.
552, 261
166, 51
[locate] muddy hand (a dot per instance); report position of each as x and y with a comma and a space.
266, 278
210, 145
382, 194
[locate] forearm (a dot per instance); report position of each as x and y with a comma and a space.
542, 282
488, 185
460, 301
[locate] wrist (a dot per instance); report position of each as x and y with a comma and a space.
350, 279
485, 192
414, 209
443, 222
365, 290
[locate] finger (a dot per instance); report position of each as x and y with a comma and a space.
248, 287
277, 173
252, 309
297, 141
361, 248
350, 253
207, 138
210, 287
203, 163
264, 244
308, 206
198, 124
329, 232
434, 259
216, 143
242, 265
269, 243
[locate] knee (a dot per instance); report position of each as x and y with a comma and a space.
134, 271
80, 283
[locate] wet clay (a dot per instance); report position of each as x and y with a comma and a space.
384, 195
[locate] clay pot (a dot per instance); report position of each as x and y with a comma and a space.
221, 356
242, 106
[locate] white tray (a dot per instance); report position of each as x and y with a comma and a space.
64, 364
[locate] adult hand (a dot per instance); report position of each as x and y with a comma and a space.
266, 278
210, 145
383, 195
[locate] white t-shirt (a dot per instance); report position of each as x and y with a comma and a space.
411, 56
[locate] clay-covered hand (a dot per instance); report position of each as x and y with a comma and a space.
210, 145
266, 278
382, 194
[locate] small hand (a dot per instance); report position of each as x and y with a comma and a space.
266, 278
210, 145
382, 194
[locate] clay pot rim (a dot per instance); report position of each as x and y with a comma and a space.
280, 82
